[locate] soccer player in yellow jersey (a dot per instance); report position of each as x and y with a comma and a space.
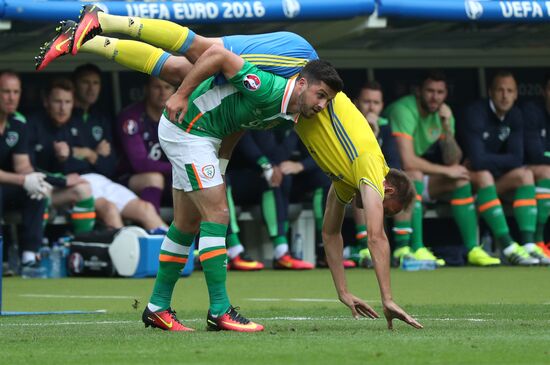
338, 137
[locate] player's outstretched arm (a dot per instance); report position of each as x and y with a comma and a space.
214, 60
332, 238
380, 251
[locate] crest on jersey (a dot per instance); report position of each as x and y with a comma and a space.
130, 127
209, 171
12, 138
252, 82
97, 132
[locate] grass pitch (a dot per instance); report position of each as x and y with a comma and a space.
471, 316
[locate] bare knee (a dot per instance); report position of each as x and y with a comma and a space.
482, 179
108, 212
415, 175
82, 191
521, 176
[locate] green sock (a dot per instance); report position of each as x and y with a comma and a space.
173, 256
318, 209
464, 213
213, 256
490, 209
543, 207
83, 215
280, 240
233, 240
46, 215
525, 212
401, 233
361, 238
269, 211
417, 239
233, 237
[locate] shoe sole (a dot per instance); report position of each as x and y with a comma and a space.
96, 30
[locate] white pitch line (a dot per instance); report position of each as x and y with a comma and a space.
64, 323
76, 296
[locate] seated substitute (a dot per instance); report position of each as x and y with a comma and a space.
144, 167
491, 132
424, 127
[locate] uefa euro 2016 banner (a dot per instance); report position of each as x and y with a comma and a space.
467, 10
197, 12
192, 11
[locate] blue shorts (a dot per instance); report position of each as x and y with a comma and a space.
281, 53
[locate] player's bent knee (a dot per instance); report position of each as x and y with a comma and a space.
82, 191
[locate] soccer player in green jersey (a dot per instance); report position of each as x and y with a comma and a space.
424, 127
251, 99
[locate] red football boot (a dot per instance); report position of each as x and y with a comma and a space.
88, 27
165, 320
58, 46
231, 321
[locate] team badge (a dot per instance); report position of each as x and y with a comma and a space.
12, 138
97, 132
130, 127
252, 82
209, 171
74, 131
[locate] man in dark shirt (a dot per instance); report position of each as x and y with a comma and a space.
20, 187
256, 176
144, 167
113, 202
48, 135
491, 133
536, 115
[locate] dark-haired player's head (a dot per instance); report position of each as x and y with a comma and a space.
370, 98
59, 100
87, 82
432, 91
318, 83
157, 92
503, 91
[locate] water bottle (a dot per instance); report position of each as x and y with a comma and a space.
410, 264
64, 244
298, 244
45, 257
56, 259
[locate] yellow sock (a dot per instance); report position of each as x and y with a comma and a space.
120, 24
135, 55
160, 33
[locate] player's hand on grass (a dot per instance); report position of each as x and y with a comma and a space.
393, 311
358, 306
176, 106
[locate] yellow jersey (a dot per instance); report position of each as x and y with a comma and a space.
342, 143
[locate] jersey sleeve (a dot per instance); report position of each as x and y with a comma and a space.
403, 122
257, 85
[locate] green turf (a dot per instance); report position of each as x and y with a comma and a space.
471, 316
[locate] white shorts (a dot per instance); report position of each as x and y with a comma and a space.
103, 187
194, 159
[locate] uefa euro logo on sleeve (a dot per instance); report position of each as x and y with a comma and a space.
474, 9
252, 82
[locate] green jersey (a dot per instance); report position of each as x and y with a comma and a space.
252, 99
407, 122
